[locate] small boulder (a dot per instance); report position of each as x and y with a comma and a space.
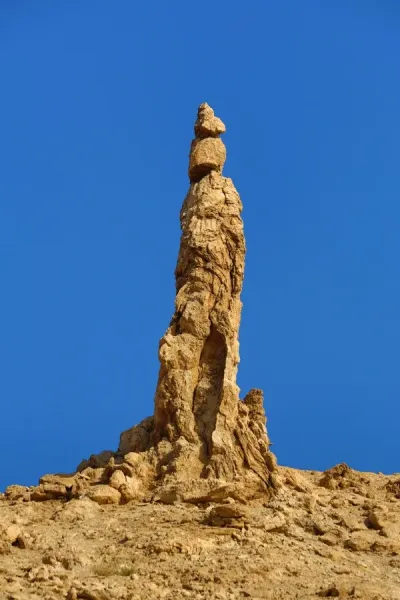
338, 477
207, 154
117, 479
38, 574
168, 495
132, 489
133, 458
377, 519
100, 460
228, 511
77, 510
207, 124
104, 494
50, 491
17, 492
227, 515
58, 479
12, 533
360, 541
386, 546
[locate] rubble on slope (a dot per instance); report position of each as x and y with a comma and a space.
306, 541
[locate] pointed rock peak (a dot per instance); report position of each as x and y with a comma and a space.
207, 124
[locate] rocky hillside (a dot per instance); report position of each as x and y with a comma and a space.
192, 504
335, 534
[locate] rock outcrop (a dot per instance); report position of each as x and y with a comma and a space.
208, 430
203, 440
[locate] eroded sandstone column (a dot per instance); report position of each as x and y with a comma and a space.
203, 443
197, 401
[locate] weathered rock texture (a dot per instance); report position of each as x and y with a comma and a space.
197, 405
203, 441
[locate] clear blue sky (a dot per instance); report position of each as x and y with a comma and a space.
97, 105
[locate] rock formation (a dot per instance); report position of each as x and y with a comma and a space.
197, 406
203, 440
331, 534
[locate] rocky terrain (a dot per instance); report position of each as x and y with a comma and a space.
192, 504
323, 535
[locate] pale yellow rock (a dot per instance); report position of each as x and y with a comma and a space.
130, 490
104, 494
361, 540
228, 511
53, 490
295, 480
275, 523
12, 533
386, 546
93, 474
39, 574
77, 510
207, 154
117, 479
136, 438
66, 480
377, 519
207, 124
15, 492
133, 458
100, 460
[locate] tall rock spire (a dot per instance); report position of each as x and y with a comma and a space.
197, 397
203, 442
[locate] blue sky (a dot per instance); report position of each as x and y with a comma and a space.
97, 105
